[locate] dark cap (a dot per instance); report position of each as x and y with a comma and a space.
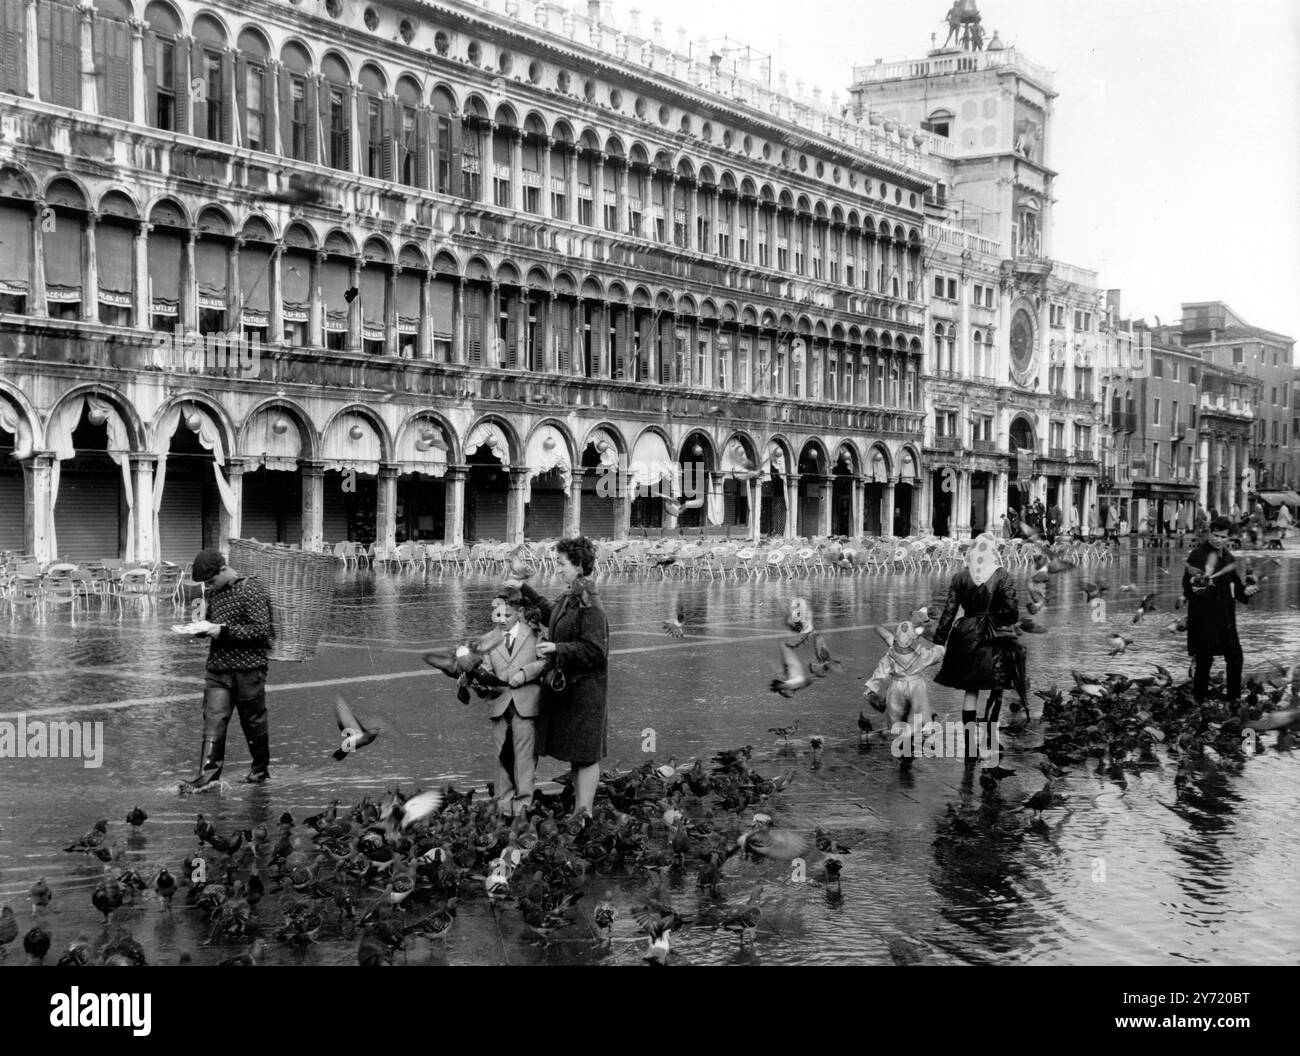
207, 563
511, 595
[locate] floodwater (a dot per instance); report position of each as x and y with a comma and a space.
1117, 876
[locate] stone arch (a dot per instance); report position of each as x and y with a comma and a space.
215, 220
516, 452
813, 448
367, 414
215, 409
67, 191
878, 455
443, 424
291, 409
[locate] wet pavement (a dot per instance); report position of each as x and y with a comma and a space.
1119, 875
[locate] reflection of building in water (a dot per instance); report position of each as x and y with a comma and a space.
1018, 341
483, 252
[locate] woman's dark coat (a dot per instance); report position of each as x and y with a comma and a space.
572, 725
1212, 616
978, 656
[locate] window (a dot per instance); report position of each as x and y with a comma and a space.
1155, 459
375, 139
409, 156
254, 87
533, 200
952, 288
988, 296
1173, 369
945, 424
1238, 355
939, 286
977, 294
1274, 400
1173, 416
1056, 315
298, 117
338, 129
1082, 320
1155, 411
165, 93
212, 79
720, 374
585, 211
444, 155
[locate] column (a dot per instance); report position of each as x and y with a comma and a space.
754, 491
386, 508
390, 312
527, 360
598, 193
89, 267
231, 521
515, 502
38, 515
494, 354
572, 192
715, 221
577, 346
600, 340
622, 173
424, 340
271, 136
887, 514
188, 307
453, 533
547, 355
458, 322
89, 100
36, 302
140, 285
139, 105
1232, 479
824, 507
486, 161
670, 205
354, 309
516, 170
313, 505
356, 162
623, 510
992, 518
547, 145
31, 40
316, 305
859, 507
142, 467
688, 220
234, 291
275, 297
791, 482
573, 505
959, 520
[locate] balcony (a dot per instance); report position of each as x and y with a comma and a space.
950, 61
946, 443
957, 240
1084, 454
984, 447
1058, 453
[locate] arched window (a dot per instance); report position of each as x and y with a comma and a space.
412, 126
166, 70
335, 115
446, 135
297, 104
375, 117
253, 91
939, 122
211, 79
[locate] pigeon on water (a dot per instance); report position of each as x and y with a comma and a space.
821, 667
676, 627
1094, 590
793, 675
1147, 604
1118, 643
799, 619
354, 734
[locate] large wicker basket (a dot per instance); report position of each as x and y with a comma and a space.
301, 586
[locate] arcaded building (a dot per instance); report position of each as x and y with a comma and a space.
313, 270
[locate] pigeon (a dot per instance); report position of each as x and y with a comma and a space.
303, 189
793, 677
799, 619
1094, 590
91, 840
778, 844
1147, 604
824, 662
466, 657
36, 944
136, 818
418, 808
604, 916
354, 735
1118, 643
784, 731
676, 627
1040, 800
8, 929
864, 728
40, 894
1030, 627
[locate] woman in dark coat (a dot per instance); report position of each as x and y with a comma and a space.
573, 723
983, 651
1213, 588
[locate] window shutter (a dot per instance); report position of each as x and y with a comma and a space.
363, 131
120, 69
198, 71
474, 349
48, 52
388, 145
322, 113
422, 121
512, 335
286, 112
269, 87
228, 96
620, 343
311, 105
150, 79
13, 51
457, 136
240, 96
182, 82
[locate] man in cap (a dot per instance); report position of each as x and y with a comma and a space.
238, 622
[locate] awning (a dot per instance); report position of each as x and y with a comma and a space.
877, 467
907, 471
423, 449
351, 442
548, 450
273, 439
209, 439
650, 461
58, 437
736, 461
489, 435
1280, 498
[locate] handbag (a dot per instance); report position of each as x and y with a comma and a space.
553, 679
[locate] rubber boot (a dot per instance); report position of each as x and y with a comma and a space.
212, 758
971, 738
259, 747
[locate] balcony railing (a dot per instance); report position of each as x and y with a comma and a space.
957, 239
947, 443
951, 62
1059, 453
984, 447
1084, 454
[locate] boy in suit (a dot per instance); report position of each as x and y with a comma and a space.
514, 711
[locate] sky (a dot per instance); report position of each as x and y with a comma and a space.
1175, 132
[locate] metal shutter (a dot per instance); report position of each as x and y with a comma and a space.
334, 520
488, 515
544, 515
180, 520
596, 517
11, 512
87, 517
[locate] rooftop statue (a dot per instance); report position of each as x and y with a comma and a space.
964, 27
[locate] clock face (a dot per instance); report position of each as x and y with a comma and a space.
1022, 342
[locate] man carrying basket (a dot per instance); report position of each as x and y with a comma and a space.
239, 624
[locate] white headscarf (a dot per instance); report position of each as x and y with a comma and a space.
982, 559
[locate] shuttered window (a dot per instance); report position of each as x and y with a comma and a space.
15, 232
165, 270
114, 245
13, 47
59, 51
63, 248
112, 43
562, 335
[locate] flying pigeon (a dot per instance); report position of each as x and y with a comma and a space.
353, 733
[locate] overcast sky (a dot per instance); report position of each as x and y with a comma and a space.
1175, 131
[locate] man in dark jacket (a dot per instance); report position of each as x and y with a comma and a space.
1213, 588
238, 620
